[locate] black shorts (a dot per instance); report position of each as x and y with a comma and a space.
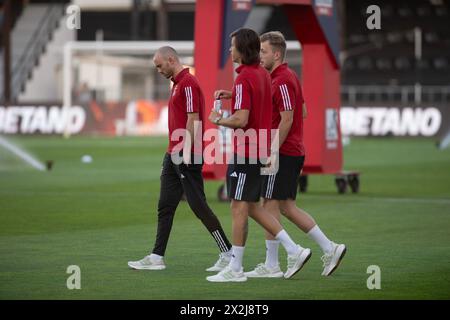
244, 181
283, 184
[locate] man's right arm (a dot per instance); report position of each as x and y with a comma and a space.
239, 119
242, 106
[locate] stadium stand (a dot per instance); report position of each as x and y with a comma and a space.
33, 24
385, 59
378, 66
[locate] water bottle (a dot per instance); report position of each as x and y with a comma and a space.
217, 105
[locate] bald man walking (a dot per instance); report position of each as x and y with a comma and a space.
186, 107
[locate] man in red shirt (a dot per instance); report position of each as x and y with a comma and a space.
186, 105
252, 115
280, 190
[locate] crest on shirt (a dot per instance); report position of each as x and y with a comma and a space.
174, 90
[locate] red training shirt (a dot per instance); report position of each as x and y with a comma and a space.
251, 91
287, 95
186, 97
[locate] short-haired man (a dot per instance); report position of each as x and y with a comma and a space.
251, 111
186, 106
279, 190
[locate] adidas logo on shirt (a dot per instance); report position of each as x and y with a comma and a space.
234, 174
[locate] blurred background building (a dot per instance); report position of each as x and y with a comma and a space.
406, 63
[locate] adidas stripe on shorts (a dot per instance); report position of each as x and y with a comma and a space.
283, 184
244, 181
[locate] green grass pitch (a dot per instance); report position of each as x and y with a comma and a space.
100, 215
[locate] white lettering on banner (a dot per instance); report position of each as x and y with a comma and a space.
362, 122
27, 115
391, 123
431, 121
40, 119
54, 119
377, 120
410, 122
380, 121
11, 121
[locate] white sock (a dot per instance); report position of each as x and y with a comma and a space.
321, 239
236, 258
272, 253
286, 241
155, 257
228, 253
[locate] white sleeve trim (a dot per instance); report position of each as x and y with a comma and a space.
286, 98
238, 99
189, 105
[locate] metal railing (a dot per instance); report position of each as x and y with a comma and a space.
35, 47
406, 95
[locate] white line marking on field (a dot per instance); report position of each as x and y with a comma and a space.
383, 199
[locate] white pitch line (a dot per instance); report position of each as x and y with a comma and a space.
353, 198
384, 199
21, 154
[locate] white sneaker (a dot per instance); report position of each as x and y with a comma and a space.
331, 260
296, 262
262, 271
147, 264
228, 275
224, 260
